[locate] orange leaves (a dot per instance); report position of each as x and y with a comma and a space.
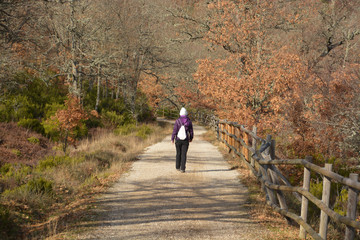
70, 117
94, 113
152, 89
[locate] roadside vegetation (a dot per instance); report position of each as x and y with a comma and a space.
278, 226
43, 198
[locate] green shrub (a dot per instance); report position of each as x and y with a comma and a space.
81, 131
51, 129
113, 118
51, 109
5, 115
40, 186
93, 122
13, 175
113, 105
6, 169
144, 131
125, 129
316, 190
24, 108
32, 124
16, 152
33, 140
341, 202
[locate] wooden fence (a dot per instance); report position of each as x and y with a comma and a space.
259, 155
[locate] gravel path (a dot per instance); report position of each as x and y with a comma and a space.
154, 201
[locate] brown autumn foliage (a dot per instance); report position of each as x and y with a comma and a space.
70, 118
289, 67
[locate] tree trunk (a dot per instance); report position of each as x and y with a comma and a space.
98, 89
73, 61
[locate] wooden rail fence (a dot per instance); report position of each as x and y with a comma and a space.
259, 156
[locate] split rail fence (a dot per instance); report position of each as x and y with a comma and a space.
259, 156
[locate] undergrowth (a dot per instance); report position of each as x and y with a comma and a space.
39, 199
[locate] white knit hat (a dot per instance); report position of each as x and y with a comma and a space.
183, 112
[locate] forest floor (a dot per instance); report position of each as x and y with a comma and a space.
154, 201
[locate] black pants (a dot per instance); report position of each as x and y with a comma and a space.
182, 147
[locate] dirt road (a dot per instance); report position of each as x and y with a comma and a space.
154, 201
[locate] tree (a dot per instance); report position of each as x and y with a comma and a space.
69, 119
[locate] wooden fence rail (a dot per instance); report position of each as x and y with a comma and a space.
259, 156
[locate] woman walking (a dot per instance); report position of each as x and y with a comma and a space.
182, 143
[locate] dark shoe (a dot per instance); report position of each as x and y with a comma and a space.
182, 171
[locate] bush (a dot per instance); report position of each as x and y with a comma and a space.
32, 124
6, 169
17, 107
51, 109
16, 152
33, 140
114, 105
112, 118
80, 131
144, 131
5, 115
125, 129
15, 171
52, 129
40, 186
93, 122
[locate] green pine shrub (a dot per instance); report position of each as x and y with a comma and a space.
52, 129
144, 131
40, 186
33, 140
125, 129
32, 124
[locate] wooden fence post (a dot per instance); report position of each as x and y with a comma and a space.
222, 134
275, 180
232, 142
266, 175
326, 200
217, 126
272, 149
304, 200
252, 160
226, 135
351, 207
246, 151
237, 145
